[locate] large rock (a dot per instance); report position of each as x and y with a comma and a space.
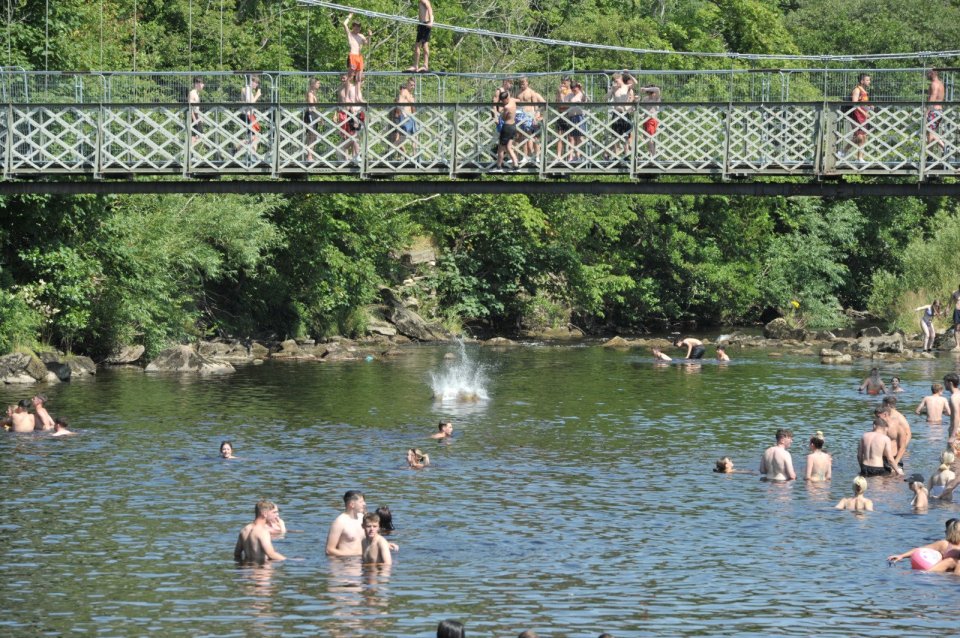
126, 355
745, 341
186, 359
560, 333
893, 343
81, 366
22, 368
780, 329
617, 342
828, 356
409, 323
499, 342
871, 331
290, 349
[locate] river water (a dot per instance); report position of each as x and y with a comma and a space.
577, 498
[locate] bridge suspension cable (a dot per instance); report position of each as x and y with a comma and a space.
609, 47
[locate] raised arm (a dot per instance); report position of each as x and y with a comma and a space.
346, 24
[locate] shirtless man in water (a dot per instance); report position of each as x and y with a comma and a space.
41, 417
21, 419
445, 430
253, 542
935, 405
777, 464
346, 531
694, 347
952, 383
898, 428
873, 384
875, 452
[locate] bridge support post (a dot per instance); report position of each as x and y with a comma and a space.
8, 145
634, 146
453, 143
827, 141
728, 115
98, 149
923, 145
187, 145
275, 141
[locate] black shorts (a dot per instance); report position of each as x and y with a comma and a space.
198, 127
956, 316
423, 33
507, 133
697, 352
621, 125
869, 470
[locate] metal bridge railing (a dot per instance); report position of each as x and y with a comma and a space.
378, 139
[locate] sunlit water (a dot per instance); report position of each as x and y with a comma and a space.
460, 378
577, 498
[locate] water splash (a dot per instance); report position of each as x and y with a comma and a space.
461, 379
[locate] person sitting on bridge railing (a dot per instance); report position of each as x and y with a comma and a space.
621, 92
529, 118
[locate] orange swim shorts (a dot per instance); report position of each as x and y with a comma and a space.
355, 62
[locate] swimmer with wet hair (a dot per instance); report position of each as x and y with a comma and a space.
375, 549
919, 489
253, 542
858, 502
895, 385
226, 450
386, 519
725, 466
444, 430
450, 629
819, 463
417, 459
949, 549
60, 427
935, 405
722, 354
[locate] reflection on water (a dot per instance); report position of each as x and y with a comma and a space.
577, 498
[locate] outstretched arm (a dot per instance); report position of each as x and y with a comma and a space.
346, 24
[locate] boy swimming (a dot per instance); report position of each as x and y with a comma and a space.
376, 550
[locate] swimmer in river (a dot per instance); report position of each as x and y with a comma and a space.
21, 419
725, 466
920, 494
898, 428
695, 349
943, 476
776, 463
376, 550
226, 450
386, 519
43, 420
253, 542
858, 502
346, 532
873, 384
935, 405
417, 459
275, 524
949, 548
951, 381
659, 356
875, 451
895, 385
819, 463
444, 430
722, 354
60, 427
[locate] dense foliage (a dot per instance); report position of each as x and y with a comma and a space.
87, 273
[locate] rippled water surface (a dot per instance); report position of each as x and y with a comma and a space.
577, 499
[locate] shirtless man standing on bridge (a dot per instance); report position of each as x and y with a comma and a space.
425, 11
934, 117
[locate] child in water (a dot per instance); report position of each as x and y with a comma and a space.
895, 385
722, 354
920, 500
949, 549
858, 502
659, 356
375, 548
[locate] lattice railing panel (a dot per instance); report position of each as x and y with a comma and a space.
226, 139
773, 138
592, 138
59, 139
477, 139
143, 138
943, 146
687, 139
421, 141
891, 142
325, 138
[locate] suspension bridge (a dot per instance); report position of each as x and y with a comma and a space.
763, 132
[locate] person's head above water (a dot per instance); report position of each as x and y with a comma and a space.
947, 457
386, 518
226, 449
817, 441
352, 496
859, 485
724, 465
952, 532
783, 434
262, 508
450, 629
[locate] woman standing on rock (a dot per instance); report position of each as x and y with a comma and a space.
926, 323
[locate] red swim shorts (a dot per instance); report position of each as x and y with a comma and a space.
650, 126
